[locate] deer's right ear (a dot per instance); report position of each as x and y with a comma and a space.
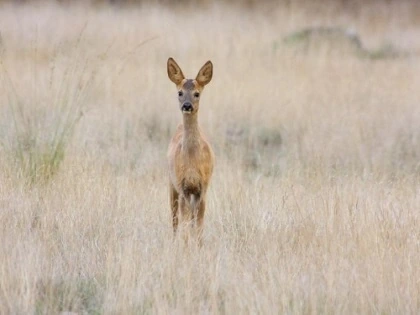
174, 72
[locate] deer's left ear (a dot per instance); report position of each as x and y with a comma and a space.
205, 74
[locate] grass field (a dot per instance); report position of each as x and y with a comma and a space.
314, 207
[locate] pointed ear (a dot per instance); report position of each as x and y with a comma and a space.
205, 74
174, 72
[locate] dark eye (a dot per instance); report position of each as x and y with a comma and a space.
180, 93
196, 94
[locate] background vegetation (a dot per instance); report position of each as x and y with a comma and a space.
314, 115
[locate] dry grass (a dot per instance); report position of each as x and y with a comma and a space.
314, 206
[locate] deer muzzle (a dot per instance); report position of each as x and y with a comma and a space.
187, 107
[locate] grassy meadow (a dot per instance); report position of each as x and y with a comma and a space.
314, 205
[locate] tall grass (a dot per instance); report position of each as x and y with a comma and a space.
313, 207
43, 121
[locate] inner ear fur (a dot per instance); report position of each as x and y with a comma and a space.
174, 72
205, 74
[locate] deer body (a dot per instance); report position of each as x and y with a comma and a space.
190, 156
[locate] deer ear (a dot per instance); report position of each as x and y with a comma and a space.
205, 74
174, 72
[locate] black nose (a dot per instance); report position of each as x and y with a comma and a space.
187, 107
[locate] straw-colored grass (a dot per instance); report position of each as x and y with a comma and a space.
314, 204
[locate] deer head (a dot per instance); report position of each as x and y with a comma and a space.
189, 90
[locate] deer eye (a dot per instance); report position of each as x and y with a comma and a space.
180, 93
196, 95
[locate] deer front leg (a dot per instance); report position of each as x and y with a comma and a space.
184, 210
174, 196
200, 219
186, 217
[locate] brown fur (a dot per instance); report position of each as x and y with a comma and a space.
190, 156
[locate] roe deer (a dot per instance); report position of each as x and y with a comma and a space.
190, 155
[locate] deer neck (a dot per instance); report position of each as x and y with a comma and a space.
191, 138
